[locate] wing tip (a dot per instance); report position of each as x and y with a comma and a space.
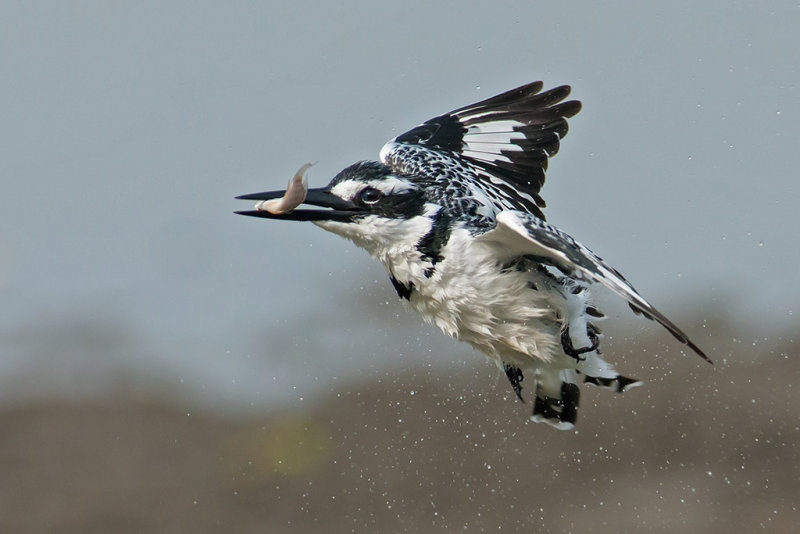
698, 351
570, 108
656, 316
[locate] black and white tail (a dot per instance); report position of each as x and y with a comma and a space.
557, 392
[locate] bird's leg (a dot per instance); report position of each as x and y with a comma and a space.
515, 376
570, 350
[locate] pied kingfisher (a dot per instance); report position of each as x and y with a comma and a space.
453, 211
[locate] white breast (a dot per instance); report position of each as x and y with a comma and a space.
472, 298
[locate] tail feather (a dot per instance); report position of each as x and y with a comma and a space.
558, 395
600, 373
557, 392
619, 384
557, 401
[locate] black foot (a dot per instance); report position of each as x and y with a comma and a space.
569, 350
514, 375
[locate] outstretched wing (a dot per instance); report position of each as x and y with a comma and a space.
519, 234
505, 140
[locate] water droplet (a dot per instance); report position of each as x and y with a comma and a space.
760, 243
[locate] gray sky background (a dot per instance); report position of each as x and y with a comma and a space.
127, 128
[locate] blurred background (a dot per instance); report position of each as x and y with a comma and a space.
166, 366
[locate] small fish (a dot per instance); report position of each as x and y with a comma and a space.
295, 194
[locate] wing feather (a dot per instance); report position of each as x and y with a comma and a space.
518, 234
506, 140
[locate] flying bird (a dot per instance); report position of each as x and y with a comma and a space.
453, 212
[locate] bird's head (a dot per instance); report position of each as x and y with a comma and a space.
366, 203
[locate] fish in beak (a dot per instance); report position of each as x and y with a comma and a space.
282, 204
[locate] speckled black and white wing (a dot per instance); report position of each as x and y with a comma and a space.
521, 234
502, 143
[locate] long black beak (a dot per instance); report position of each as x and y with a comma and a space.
336, 209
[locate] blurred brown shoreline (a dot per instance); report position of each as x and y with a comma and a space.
697, 449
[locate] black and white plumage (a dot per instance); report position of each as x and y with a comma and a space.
453, 212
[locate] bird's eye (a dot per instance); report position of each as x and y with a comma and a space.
370, 195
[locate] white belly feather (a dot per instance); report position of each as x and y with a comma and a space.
496, 310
